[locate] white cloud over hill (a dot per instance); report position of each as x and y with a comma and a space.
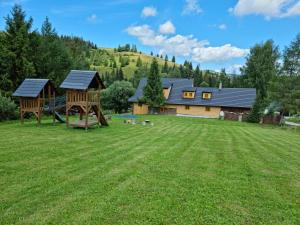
186, 46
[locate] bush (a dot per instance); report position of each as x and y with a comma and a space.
8, 109
255, 114
115, 97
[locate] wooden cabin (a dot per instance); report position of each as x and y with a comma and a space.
83, 92
34, 94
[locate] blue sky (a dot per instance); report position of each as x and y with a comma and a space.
213, 33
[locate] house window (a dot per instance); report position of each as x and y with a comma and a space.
206, 95
207, 109
187, 107
188, 94
140, 104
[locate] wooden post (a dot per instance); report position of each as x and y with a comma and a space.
53, 110
67, 109
39, 109
21, 111
43, 97
80, 113
98, 105
86, 112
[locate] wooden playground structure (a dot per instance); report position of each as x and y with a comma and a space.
83, 92
34, 94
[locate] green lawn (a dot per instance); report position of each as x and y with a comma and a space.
179, 171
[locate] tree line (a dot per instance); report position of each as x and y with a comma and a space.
37, 53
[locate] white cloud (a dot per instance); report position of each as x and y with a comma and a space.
267, 8
186, 46
222, 26
191, 6
92, 18
167, 28
292, 11
217, 54
234, 69
149, 11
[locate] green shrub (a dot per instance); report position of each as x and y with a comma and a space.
255, 114
8, 109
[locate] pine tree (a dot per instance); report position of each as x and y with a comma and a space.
165, 68
153, 92
17, 39
198, 76
255, 114
151, 53
139, 62
173, 59
115, 64
120, 74
55, 61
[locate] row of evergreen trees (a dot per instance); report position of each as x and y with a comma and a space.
37, 53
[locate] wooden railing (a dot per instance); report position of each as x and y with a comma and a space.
82, 97
31, 103
93, 97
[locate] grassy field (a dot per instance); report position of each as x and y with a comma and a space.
179, 171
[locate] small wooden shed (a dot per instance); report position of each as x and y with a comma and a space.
34, 94
83, 92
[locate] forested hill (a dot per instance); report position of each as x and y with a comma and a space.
131, 63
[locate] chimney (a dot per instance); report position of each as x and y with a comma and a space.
220, 86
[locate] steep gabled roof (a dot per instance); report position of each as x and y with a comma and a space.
225, 97
166, 82
31, 88
80, 79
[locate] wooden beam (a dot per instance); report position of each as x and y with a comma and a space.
86, 112
53, 110
67, 108
21, 111
39, 110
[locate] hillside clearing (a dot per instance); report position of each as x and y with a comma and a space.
179, 171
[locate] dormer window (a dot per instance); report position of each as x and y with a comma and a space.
206, 95
188, 94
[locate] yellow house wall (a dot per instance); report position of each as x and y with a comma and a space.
197, 110
140, 109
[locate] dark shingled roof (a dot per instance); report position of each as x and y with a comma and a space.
79, 79
190, 89
226, 97
31, 88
